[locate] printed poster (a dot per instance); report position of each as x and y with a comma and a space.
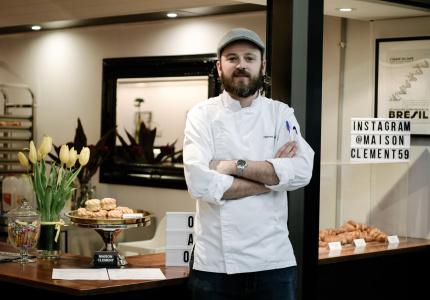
403, 82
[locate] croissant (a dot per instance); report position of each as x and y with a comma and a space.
332, 238
325, 232
322, 244
351, 230
345, 228
352, 222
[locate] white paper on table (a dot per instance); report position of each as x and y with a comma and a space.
80, 274
136, 274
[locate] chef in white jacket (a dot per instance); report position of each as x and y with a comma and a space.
242, 153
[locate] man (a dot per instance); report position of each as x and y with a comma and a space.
242, 153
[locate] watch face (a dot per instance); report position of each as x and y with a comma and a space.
241, 163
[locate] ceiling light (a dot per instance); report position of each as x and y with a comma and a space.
345, 9
35, 27
172, 15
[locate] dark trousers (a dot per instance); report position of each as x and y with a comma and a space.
277, 284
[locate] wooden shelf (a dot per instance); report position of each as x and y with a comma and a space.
372, 250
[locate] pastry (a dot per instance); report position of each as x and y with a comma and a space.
124, 210
92, 205
83, 213
15, 123
115, 214
100, 214
108, 203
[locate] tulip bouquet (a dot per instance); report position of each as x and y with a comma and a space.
53, 186
98, 153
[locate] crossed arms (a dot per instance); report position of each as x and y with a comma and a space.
255, 176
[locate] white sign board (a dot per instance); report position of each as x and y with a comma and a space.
378, 140
179, 238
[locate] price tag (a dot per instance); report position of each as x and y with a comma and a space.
334, 246
393, 239
359, 243
132, 216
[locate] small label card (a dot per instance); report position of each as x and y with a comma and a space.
105, 259
359, 243
334, 246
132, 216
393, 239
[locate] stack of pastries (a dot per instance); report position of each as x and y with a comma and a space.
350, 231
103, 209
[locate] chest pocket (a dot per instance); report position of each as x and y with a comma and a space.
245, 135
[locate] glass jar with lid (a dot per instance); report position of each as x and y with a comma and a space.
23, 229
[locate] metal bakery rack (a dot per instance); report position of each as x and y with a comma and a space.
17, 129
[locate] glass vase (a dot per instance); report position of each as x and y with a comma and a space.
84, 192
48, 247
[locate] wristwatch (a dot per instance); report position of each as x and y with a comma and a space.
240, 166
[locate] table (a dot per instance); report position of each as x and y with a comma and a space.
378, 265
26, 279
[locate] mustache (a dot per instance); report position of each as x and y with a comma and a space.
241, 72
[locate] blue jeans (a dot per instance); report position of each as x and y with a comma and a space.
277, 284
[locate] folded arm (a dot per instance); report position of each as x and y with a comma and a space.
256, 175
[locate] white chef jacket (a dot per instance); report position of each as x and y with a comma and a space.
248, 234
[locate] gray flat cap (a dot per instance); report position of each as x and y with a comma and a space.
239, 34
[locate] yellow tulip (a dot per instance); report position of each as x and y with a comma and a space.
45, 147
73, 157
32, 156
64, 154
84, 156
23, 159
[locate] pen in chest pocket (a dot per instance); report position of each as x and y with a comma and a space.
291, 132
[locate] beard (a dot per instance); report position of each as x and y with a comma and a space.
239, 87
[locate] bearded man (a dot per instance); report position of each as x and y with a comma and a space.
242, 153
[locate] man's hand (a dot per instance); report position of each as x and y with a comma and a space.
288, 150
227, 167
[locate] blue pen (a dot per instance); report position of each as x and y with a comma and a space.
288, 126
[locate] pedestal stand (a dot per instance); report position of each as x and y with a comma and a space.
109, 229
109, 233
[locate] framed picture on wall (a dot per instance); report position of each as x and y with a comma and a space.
402, 81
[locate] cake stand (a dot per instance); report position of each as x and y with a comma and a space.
109, 229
